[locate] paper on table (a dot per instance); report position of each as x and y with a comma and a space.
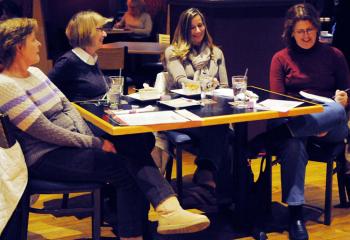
223, 92
189, 115
148, 108
316, 97
277, 105
149, 118
180, 102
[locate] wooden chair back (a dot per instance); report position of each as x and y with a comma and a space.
164, 38
112, 59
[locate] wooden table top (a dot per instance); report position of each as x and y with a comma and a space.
219, 113
154, 48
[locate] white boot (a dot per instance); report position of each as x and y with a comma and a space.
173, 219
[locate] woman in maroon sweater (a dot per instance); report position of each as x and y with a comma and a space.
313, 67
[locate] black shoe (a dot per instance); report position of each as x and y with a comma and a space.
297, 230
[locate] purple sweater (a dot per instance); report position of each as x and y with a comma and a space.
320, 70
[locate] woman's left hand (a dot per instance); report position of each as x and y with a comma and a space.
341, 97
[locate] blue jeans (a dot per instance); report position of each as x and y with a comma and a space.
292, 152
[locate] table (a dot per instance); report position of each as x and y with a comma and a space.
215, 114
117, 31
149, 48
219, 113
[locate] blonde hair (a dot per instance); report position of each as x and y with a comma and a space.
83, 27
182, 36
13, 32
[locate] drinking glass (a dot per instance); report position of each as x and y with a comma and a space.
115, 92
239, 86
207, 85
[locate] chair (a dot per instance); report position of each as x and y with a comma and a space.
40, 186
155, 66
327, 153
113, 62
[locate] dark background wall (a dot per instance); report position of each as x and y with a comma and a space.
248, 31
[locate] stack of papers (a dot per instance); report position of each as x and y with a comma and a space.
277, 105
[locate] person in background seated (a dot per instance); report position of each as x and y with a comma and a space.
58, 145
310, 66
191, 55
136, 19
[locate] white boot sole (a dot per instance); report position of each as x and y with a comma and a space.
192, 227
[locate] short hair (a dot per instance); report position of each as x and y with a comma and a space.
298, 12
82, 27
13, 32
182, 36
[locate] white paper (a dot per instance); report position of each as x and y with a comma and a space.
316, 97
149, 118
180, 102
222, 92
148, 108
277, 105
189, 115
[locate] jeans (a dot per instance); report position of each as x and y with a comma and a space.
292, 152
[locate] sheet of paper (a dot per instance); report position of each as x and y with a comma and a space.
148, 108
222, 92
316, 97
149, 118
189, 115
180, 102
277, 105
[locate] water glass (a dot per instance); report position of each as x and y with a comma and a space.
115, 92
239, 86
207, 85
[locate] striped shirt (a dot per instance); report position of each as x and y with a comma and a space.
43, 117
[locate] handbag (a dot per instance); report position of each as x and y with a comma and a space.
7, 139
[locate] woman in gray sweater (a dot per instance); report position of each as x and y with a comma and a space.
191, 55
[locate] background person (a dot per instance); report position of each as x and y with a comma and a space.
136, 19
310, 66
78, 75
191, 54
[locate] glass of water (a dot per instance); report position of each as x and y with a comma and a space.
115, 92
239, 86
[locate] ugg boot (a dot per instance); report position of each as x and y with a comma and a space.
173, 219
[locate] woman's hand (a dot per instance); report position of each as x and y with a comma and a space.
108, 147
341, 97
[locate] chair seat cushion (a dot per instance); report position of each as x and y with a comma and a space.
44, 186
177, 137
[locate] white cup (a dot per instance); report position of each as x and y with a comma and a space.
239, 86
115, 92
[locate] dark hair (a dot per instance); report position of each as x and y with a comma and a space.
298, 12
13, 31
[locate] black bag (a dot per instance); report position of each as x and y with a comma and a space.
6, 139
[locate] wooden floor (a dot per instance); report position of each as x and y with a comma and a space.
50, 227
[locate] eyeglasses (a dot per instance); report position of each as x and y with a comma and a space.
305, 31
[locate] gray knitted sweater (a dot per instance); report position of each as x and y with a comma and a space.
43, 117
